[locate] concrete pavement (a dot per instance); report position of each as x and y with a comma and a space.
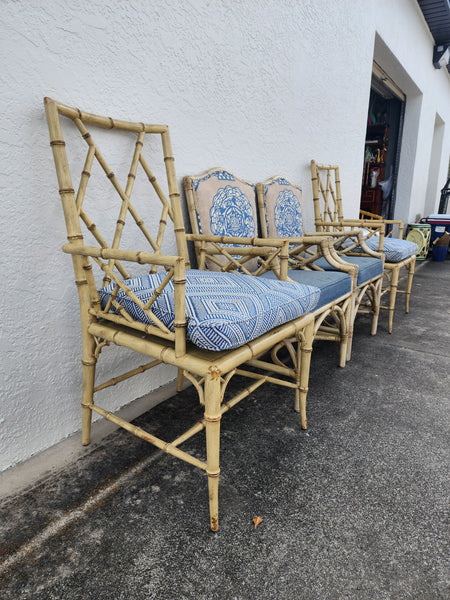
354, 508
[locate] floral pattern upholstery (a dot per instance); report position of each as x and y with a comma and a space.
225, 205
283, 208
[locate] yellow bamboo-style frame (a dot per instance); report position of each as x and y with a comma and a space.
333, 321
366, 296
210, 372
329, 216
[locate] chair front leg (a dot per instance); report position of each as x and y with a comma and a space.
376, 301
180, 380
410, 268
212, 417
349, 321
304, 350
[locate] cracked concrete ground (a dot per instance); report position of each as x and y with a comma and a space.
354, 508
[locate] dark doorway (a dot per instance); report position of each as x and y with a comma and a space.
382, 148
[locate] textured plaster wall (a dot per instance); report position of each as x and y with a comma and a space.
259, 87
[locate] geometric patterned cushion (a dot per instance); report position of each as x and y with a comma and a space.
223, 310
283, 208
368, 266
332, 284
394, 249
225, 205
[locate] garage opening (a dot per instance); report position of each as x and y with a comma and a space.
382, 148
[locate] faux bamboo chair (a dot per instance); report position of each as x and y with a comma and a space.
210, 326
281, 215
221, 203
398, 253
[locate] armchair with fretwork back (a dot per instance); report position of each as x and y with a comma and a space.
281, 215
137, 290
382, 235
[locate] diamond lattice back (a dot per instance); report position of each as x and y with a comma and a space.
328, 211
77, 214
327, 197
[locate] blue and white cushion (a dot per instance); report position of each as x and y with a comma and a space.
283, 208
225, 205
223, 310
368, 267
395, 250
332, 284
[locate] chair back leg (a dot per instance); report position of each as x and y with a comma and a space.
212, 418
392, 296
87, 400
376, 296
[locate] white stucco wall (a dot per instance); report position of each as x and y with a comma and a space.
403, 47
259, 87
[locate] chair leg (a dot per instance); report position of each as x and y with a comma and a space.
392, 296
180, 380
376, 301
304, 350
410, 268
346, 349
89, 361
212, 417
350, 315
87, 400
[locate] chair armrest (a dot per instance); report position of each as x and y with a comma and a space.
140, 257
226, 239
317, 246
365, 213
373, 227
397, 222
358, 247
397, 227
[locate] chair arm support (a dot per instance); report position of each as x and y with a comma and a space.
332, 257
274, 250
368, 251
398, 226
325, 247
341, 236
176, 263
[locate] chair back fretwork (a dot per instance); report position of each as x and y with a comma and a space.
141, 130
327, 197
108, 255
328, 209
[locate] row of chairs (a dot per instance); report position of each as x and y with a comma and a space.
262, 291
